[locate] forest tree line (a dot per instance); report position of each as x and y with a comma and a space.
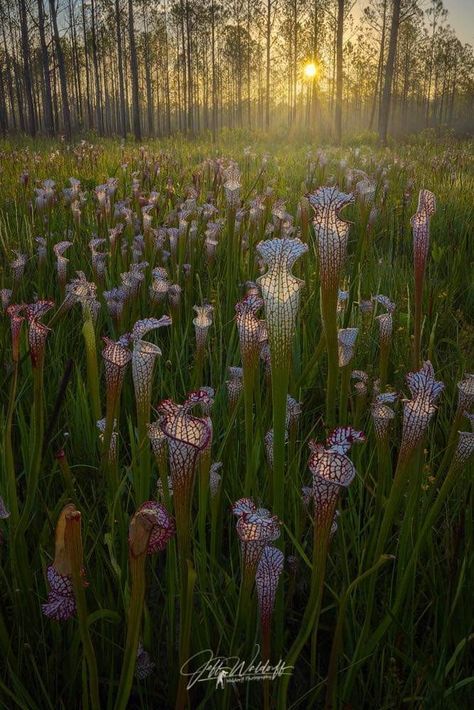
154, 67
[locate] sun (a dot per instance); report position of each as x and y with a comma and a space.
310, 70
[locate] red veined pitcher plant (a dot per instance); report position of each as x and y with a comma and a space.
420, 223
144, 356
465, 403
37, 335
256, 528
66, 597
61, 263
150, 530
187, 437
249, 327
202, 323
15, 313
84, 292
281, 295
116, 357
382, 418
332, 235
385, 321
267, 577
346, 338
332, 471
417, 414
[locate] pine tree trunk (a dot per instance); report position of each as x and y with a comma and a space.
339, 78
27, 82
123, 118
90, 121
384, 114
134, 75
98, 97
267, 79
47, 100
62, 71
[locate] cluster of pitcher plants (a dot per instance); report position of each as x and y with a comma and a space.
219, 429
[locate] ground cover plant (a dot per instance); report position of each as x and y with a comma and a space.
236, 415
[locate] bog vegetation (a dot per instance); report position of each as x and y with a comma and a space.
236, 414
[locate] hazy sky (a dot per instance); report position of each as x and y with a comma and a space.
461, 18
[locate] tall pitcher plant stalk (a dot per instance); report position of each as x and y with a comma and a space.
281, 296
187, 437
143, 362
150, 530
66, 597
332, 471
249, 328
332, 234
14, 312
116, 356
417, 414
37, 335
420, 223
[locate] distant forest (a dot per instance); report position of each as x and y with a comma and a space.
152, 68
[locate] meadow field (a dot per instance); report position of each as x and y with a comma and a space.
237, 422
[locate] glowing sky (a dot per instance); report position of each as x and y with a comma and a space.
460, 16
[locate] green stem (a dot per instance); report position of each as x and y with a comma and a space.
311, 615
185, 639
418, 320
404, 583
329, 318
73, 542
344, 394
384, 357
392, 505
203, 494
37, 448
12, 496
135, 612
280, 377
249, 378
142, 471
337, 642
92, 367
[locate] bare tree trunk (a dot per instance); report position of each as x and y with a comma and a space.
249, 58
267, 80
123, 118
167, 79
295, 56
189, 68
384, 114
98, 97
76, 63
134, 75
62, 71
378, 80
314, 92
27, 82
86, 63
8, 74
339, 77
148, 61
47, 100
214, 84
